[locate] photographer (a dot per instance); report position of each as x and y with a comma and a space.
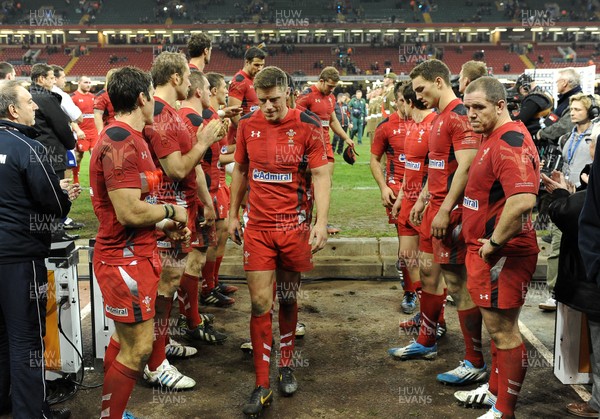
535, 103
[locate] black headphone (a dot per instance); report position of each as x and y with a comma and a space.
594, 110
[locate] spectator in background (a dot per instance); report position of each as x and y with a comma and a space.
535, 104
559, 123
7, 71
341, 113
358, 112
575, 158
52, 124
573, 287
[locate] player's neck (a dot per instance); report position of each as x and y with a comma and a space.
419, 115
198, 62
447, 96
195, 104
214, 103
81, 92
166, 93
134, 119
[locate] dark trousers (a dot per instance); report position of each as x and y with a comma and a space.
23, 296
337, 144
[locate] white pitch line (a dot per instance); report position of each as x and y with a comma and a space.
549, 357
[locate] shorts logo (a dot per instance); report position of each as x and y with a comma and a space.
255, 134
413, 165
437, 164
269, 177
484, 296
246, 256
120, 312
253, 108
397, 131
402, 158
471, 203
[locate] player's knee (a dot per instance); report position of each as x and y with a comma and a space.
260, 307
506, 339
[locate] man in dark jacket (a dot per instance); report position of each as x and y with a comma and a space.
30, 198
341, 112
535, 104
559, 122
50, 120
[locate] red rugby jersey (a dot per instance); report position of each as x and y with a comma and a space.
319, 104
416, 150
85, 102
389, 138
277, 156
242, 88
450, 132
102, 103
118, 161
172, 135
507, 163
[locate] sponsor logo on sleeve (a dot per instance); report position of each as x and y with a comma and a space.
413, 165
119, 312
437, 164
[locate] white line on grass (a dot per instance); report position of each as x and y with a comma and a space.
545, 352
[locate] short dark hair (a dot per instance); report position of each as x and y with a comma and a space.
38, 70
410, 96
270, 77
125, 86
214, 79
254, 52
167, 64
5, 69
330, 73
57, 69
197, 43
430, 70
197, 81
493, 89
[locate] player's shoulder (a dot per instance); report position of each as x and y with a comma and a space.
458, 109
159, 107
194, 118
308, 117
117, 133
207, 113
306, 91
513, 137
384, 122
238, 78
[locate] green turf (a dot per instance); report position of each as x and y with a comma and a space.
355, 200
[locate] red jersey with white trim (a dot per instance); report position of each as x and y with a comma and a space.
119, 159
102, 103
85, 102
277, 156
389, 138
193, 67
242, 88
416, 150
172, 135
450, 132
319, 104
506, 164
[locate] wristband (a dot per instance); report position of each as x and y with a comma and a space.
161, 224
221, 113
224, 150
494, 244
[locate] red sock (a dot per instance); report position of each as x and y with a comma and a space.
470, 324
112, 350
161, 326
208, 273
183, 300
431, 305
493, 381
408, 284
118, 385
261, 335
218, 261
511, 374
75, 171
288, 318
189, 286
418, 289
441, 319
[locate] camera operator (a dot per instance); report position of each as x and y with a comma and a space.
535, 103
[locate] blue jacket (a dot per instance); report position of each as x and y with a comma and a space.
30, 196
